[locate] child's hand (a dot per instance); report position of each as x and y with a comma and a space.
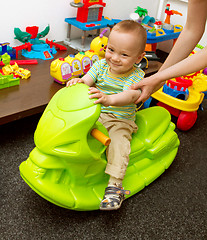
74, 81
102, 98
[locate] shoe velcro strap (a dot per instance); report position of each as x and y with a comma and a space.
116, 190
110, 201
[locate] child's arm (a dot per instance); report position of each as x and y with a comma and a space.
120, 99
87, 79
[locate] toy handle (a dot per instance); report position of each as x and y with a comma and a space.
102, 33
100, 137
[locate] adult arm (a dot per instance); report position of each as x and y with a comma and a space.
191, 34
189, 37
153, 83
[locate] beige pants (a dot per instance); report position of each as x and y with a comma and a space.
120, 131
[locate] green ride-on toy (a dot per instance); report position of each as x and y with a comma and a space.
67, 165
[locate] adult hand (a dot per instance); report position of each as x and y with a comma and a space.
147, 86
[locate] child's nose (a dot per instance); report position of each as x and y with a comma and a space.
115, 57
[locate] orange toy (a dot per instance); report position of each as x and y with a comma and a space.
170, 13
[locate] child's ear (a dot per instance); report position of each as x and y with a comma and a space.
140, 57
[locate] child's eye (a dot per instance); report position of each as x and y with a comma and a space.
110, 49
125, 55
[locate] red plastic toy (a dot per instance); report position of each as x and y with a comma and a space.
21, 62
90, 11
27, 46
170, 13
56, 45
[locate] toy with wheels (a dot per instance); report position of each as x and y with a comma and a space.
182, 97
67, 165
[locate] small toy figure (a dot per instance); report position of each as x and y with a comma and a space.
6, 58
141, 12
5, 48
170, 13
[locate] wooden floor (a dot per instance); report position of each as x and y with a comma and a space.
33, 94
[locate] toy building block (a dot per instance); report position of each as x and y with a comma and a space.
8, 81
5, 48
16, 70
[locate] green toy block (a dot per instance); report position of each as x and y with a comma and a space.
67, 165
8, 81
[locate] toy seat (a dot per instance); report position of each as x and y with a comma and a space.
67, 165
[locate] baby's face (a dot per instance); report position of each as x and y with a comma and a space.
122, 52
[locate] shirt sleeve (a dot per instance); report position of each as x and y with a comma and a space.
94, 70
137, 76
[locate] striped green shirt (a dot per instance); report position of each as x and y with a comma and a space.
109, 83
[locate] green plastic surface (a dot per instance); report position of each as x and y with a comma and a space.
67, 165
8, 81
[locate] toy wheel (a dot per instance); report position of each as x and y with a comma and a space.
186, 120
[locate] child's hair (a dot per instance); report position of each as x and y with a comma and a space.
128, 26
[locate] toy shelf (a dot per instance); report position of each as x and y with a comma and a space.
83, 43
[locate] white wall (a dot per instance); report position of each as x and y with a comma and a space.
23, 13
122, 8
181, 6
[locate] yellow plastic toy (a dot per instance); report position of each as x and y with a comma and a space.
64, 69
170, 96
99, 44
92, 55
75, 65
60, 70
16, 70
86, 61
191, 104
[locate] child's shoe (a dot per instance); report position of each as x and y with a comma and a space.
113, 198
